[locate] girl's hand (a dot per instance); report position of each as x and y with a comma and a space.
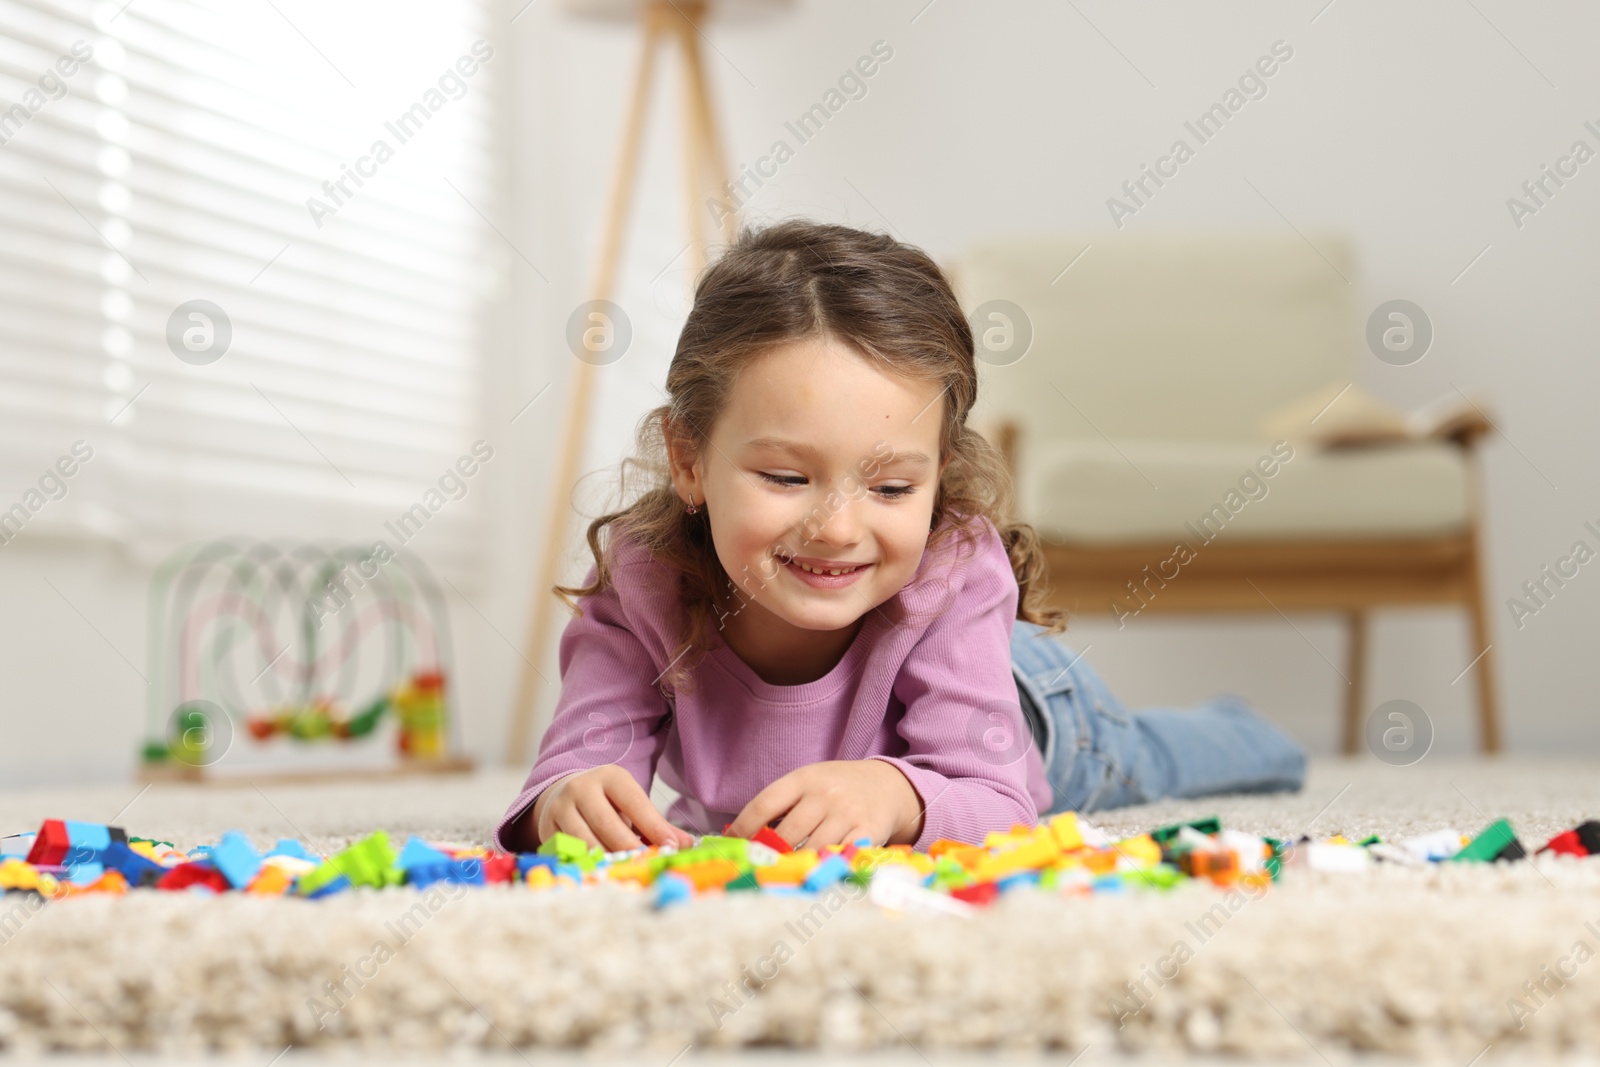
604, 806
836, 802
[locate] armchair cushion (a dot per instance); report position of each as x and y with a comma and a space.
1087, 492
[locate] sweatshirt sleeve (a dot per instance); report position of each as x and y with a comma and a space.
963, 723
609, 711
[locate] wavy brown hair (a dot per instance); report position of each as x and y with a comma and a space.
792, 281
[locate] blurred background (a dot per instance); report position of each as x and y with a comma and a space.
229, 312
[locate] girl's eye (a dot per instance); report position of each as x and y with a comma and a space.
888, 492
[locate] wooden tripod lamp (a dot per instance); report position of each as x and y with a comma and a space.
664, 22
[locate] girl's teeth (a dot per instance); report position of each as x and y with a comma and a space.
814, 570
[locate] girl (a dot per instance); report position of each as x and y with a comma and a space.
815, 617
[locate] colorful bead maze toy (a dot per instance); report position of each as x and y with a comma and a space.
275, 661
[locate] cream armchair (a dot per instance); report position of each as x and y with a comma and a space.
1133, 426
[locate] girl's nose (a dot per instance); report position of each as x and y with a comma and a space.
838, 520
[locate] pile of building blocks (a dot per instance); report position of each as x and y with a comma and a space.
1064, 854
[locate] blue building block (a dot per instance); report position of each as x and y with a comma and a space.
672, 888
458, 872
527, 861
1021, 878
89, 835
236, 859
288, 846
85, 873
833, 869
138, 870
418, 853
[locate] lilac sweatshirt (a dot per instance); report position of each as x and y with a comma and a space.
926, 686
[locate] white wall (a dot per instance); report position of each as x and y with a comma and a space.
1406, 125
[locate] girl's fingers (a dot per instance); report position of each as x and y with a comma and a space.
773, 801
569, 821
635, 805
800, 824
831, 832
602, 818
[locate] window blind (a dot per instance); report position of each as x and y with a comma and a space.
315, 188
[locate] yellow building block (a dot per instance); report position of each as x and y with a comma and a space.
1064, 828
1028, 857
713, 874
540, 878
791, 868
1142, 851
630, 871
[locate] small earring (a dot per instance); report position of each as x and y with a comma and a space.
692, 509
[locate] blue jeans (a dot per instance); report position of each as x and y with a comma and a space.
1099, 755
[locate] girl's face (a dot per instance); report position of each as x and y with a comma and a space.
821, 458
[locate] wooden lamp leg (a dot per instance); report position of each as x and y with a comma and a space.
714, 165
1356, 666
704, 169
565, 474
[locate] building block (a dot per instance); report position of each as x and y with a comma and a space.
500, 867
1497, 841
338, 885
672, 888
236, 859
745, 881
287, 846
21, 875
418, 853
1209, 825
137, 869
270, 881
710, 874
526, 861
979, 893
833, 869
1064, 828
185, 875
769, 837
18, 845
50, 845
1433, 847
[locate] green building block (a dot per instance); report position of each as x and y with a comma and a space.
1159, 876
736, 849
745, 881
568, 849
368, 862
1488, 846
1209, 825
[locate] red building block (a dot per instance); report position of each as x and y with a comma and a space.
51, 845
185, 875
1567, 843
769, 837
978, 893
499, 867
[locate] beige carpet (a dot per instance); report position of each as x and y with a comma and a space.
1398, 962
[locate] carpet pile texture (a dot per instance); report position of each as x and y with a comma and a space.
1445, 961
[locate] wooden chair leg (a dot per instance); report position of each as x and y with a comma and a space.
1483, 648
1356, 668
